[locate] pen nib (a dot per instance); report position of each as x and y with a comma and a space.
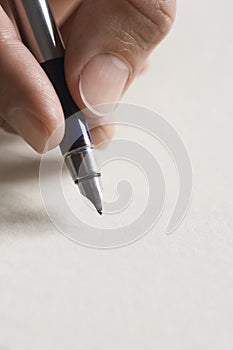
91, 189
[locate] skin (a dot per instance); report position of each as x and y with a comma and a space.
126, 29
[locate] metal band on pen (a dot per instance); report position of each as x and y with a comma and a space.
85, 158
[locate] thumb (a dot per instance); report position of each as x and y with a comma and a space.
108, 43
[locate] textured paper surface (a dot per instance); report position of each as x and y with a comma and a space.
163, 292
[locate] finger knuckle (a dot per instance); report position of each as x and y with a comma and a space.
153, 20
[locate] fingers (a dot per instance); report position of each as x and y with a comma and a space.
28, 102
108, 45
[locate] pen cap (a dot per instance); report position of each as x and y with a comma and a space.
38, 29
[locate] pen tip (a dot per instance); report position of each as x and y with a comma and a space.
99, 211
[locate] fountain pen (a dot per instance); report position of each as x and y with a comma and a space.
39, 32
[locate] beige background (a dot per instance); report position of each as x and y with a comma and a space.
163, 292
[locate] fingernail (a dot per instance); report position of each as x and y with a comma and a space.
102, 83
29, 128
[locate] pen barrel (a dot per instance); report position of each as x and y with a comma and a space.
38, 29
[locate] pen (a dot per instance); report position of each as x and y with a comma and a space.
40, 34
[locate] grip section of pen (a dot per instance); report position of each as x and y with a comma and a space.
76, 127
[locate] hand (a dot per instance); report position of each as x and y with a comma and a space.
107, 45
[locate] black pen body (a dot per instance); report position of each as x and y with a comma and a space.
77, 129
